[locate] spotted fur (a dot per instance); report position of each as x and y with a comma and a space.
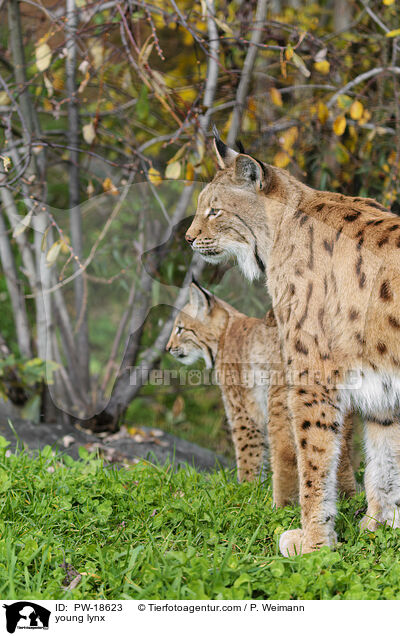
332, 266
248, 367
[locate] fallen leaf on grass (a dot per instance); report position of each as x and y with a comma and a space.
72, 576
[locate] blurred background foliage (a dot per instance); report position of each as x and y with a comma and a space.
114, 110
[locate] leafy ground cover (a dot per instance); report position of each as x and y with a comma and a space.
148, 532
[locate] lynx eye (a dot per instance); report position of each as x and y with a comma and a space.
213, 212
178, 330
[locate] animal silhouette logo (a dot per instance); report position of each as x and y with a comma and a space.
26, 615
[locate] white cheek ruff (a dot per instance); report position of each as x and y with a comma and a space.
245, 259
191, 356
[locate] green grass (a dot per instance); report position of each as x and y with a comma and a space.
147, 532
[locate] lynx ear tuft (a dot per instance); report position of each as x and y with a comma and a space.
225, 155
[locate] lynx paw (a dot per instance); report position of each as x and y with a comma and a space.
293, 542
368, 523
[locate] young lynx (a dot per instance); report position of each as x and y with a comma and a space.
245, 355
332, 266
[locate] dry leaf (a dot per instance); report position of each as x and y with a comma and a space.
173, 170
321, 55
6, 162
43, 56
23, 225
4, 99
108, 186
299, 63
48, 85
178, 406
53, 253
89, 133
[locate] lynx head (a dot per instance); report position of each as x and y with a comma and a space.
198, 327
236, 211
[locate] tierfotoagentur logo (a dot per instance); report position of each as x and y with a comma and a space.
26, 615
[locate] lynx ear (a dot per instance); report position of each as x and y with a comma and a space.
201, 300
250, 172
225, 155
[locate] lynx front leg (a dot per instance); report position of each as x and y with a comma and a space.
283, 457
346, 480
317, 425
382, 474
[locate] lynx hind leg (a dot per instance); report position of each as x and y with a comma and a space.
283, 458
248, 428
346, 479
382, 474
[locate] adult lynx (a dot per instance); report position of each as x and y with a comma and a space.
332, 266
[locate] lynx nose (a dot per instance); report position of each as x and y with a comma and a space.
189, 239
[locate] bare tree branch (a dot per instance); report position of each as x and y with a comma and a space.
245, 78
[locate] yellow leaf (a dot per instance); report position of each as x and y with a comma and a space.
154, 176
276, 97
356, 110
339, 125
322, 67
89, 133
388, 2
288, 138
281, 159
173, 170
43, 56
289, 52
189, 176
108, 186
393, 34
4, 98
53, 253
323, 112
